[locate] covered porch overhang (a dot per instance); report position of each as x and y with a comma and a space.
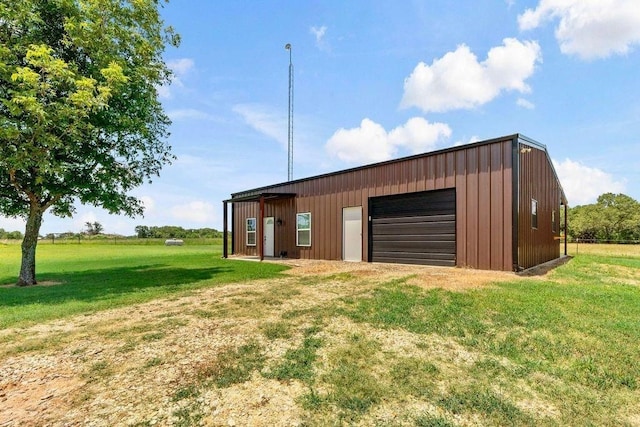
260, 198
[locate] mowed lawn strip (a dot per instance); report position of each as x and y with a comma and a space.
85, 278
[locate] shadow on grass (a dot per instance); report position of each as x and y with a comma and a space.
96, 285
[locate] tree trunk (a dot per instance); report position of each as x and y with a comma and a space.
29, 243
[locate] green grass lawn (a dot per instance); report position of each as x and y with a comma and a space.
84, 278
557, 350
573, 341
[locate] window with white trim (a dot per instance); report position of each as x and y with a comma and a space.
534, 213
251, 231
553, 221
303, 229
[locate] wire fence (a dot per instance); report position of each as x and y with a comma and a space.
603, 246
605, 241
114, 240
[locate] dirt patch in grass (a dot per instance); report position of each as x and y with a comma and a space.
142, 364
32, 387
427, 277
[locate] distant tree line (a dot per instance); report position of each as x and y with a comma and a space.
614, 217
94, 230
175, 232
10, 234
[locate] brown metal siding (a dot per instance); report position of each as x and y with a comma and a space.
537, 181
241, 213
284, 239
480, 174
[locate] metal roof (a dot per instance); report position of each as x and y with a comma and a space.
255, 197
254, 194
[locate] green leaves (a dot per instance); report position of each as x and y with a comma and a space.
49, 81
613, 217
80, 118
79, 114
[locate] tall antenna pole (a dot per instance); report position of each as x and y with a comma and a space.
290, 124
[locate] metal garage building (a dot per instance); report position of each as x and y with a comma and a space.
492, 205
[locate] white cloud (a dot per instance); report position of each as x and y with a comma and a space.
264, 121
418, 135
12, 224
149, 204
196, 211
319, 33
370, 142
122, 226
583, 184
521, 102
189, 114
80, 221
589, 29
164, 92
474, 138
367, 143
459, 81
180, 67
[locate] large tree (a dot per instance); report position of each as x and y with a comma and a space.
80, 118
614, 217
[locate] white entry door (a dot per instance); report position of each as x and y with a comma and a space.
352, 233
269, 233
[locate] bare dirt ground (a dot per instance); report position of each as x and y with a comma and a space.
129, 366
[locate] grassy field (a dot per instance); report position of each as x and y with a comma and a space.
574, 249
97, 276
557, 350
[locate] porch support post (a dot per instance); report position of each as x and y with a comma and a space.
566, 236
225, 233
261, 228
233, 231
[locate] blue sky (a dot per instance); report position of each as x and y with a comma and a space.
376, 80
